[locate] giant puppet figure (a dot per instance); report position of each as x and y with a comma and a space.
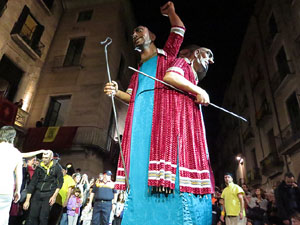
169, 177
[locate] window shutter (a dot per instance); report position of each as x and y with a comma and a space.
19, 24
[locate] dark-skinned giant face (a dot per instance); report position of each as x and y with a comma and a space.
142, 38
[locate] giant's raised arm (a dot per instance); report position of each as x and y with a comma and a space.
168, 9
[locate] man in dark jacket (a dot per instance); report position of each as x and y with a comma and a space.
287, 196
44, 187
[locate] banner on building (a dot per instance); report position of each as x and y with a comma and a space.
51, 134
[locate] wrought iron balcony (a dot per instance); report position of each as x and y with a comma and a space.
62, 139
290, 140
25, 41
271, 165
21, 118
94, 137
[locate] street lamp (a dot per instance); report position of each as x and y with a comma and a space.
240, 159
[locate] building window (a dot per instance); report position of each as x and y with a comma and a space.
30, 30
85, 16
74, 52
293, 111
272, 26
57, 111
10, 77
48, 3
282, 64
2, 6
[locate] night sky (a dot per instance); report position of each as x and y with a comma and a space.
216, 24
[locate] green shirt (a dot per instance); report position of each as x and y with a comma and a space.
232, 202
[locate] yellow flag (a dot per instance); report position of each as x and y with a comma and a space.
51, 134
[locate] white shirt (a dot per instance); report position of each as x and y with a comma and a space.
10, 158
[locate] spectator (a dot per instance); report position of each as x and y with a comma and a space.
40, 123
77, 179
257, 208
20, 103
101, 176
296, 219
84, 183
104, 193
11, 167
73, 207
272, 209
87, 214
70, 169
56, 157
287, 197
118, 212
43, 188
233, 202
216, 207
59, 209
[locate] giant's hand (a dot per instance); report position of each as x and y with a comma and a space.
111, 88
202, 97
167, 9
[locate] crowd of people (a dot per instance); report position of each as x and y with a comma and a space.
74, 203
41, 191
242, 205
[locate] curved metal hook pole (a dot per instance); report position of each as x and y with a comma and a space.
107, 42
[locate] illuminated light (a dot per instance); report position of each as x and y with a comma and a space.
238, 158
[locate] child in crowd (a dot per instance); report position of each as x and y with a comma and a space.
87, 213
73, 207
118, 213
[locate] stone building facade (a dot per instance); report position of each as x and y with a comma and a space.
63, 83
265, 90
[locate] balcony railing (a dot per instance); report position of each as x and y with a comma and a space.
271, 165
25, 41
21, 118
94, 137
62, 139
290, 140
254, 177
263, 113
